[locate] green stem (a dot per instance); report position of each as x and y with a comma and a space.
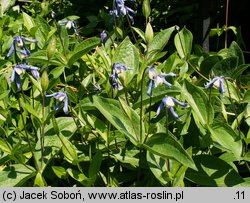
141, 109
26, 132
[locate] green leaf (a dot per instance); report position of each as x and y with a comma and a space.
160, 40
28, 21
80, 177
158, 167
157, 95
225, 67
5, 146
197, 99
39, 180
112, 110
166, 146
226, 137
68, 150
52, 143
5, 5
183, 42
127, 54
16, 175
31, 110
238, 52
59, 171
207, 64
83, 48
214, 172
95, 165
239, 70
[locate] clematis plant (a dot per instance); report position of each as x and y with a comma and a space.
169, 103
121, 10
69, 24
19, 41
117, 71
157, 79
19, 69
63, 99
217, 81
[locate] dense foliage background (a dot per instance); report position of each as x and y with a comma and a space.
114, 93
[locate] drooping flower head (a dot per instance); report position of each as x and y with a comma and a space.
69, 24
218, 81
63, 98
19, 69
19, 42
121, 10
104, 37
157, 79
118, 71
169, 102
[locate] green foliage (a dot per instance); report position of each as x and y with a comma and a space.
88, 119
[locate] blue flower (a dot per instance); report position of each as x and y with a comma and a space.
20, 42
169, 103
104, 37
157, 79
63, 98
120, 10
97, 87
218, 81
117, 71
19, 69
69, 24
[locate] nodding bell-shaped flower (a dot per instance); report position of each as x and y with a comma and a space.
104, 37
117, 71
69, 24
63, 98
169, 103
218, 81
19, 69
157, 79
121, 10
19, 41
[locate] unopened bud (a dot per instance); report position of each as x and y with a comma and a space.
44, 80
51, 49
149, 33
146, 10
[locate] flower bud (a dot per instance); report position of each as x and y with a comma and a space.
44, 80
51, 49
149, 33
146, 10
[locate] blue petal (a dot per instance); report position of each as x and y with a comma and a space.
159, 109
221, 86
150, 86
18, 81
211, 83
166, 82
58, 105
29, 40
12, 48
180, 103
65, 107
175, 115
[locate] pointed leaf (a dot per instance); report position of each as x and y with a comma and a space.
112, 110
183, 41
83, 48
226, 137
167, 147
197, 99
214, 172
16, 175
160, 40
